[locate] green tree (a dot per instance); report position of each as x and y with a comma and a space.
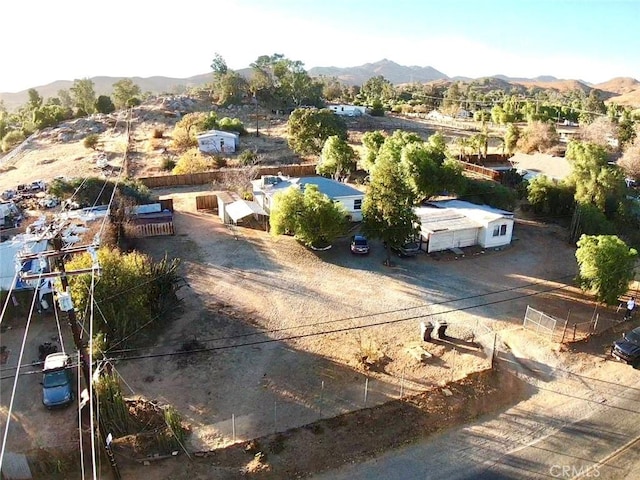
84, 95
124, 90
388, 206
551, 198
592, 107
594, 179
427, 170
606, 266
104, 104
65, 98
371, 141
311, 216
125, 308
49, 115
337, 159
377, 90
184, 133
511, 137
308, 129
35, 100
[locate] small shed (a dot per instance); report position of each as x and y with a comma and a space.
218, 141
150, 221
241, 209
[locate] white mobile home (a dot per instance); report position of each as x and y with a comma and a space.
348, 110
457, 224
218, 141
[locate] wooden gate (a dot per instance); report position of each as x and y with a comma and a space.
207, 202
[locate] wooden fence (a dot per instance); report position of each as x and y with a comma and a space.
207, 202
480, 170
150, 230
203, 178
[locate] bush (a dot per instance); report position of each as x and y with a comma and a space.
219, 162
133, 102
192, 161
232, 125
12, 140
91, 141
168, 164
248, 157
158, 133
211, 122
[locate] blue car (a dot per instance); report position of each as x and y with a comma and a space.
57, 381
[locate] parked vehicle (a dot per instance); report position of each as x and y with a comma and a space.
57, 381
359, 245
627, 350
409, 249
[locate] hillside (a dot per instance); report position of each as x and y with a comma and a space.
625, 91
390, 70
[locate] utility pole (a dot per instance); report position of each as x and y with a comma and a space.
66, 305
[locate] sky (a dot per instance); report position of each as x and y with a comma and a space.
48, 40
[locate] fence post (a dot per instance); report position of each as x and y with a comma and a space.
493, 350
366, 390
275, 416
402, 384
564, 330
233, 426
595, 324
575, 326
321, 396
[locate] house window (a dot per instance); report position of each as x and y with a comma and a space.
357, 204
499, 230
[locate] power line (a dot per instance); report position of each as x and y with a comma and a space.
355, 317
15, 379
336, 330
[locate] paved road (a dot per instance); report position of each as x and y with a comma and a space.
571, 427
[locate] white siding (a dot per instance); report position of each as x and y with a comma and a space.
440, 241
348, 204
465, 238
487, 238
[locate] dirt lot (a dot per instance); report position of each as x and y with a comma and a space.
287, 328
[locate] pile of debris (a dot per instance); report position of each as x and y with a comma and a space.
78, 128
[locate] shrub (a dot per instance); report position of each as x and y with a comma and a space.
219, 162
133, 102
211, 122
191, 161
158, 133
91, 141
248, 157
168, 164
12, 139
232, 125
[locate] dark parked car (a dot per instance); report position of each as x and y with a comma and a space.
57, 381
628, 349
359, 245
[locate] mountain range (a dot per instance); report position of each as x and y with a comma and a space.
624, 91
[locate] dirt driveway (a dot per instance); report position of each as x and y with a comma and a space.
284, 325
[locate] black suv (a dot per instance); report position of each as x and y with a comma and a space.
627, 350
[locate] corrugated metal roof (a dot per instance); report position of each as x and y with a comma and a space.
434, 219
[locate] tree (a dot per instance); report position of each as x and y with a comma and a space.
548, 197
592, 107
377, 90
184, 133
125, 308
511, 137
308, 129
606, 266
35, 100
594, 179
388, 206
538, 136
426, 170
104, 104
84, 95
123, 91
65, 98
371, 141
630, 160
311, 216
601, 131
338, 159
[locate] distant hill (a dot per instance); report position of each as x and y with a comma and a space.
104, 86
625, 91
390, 70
